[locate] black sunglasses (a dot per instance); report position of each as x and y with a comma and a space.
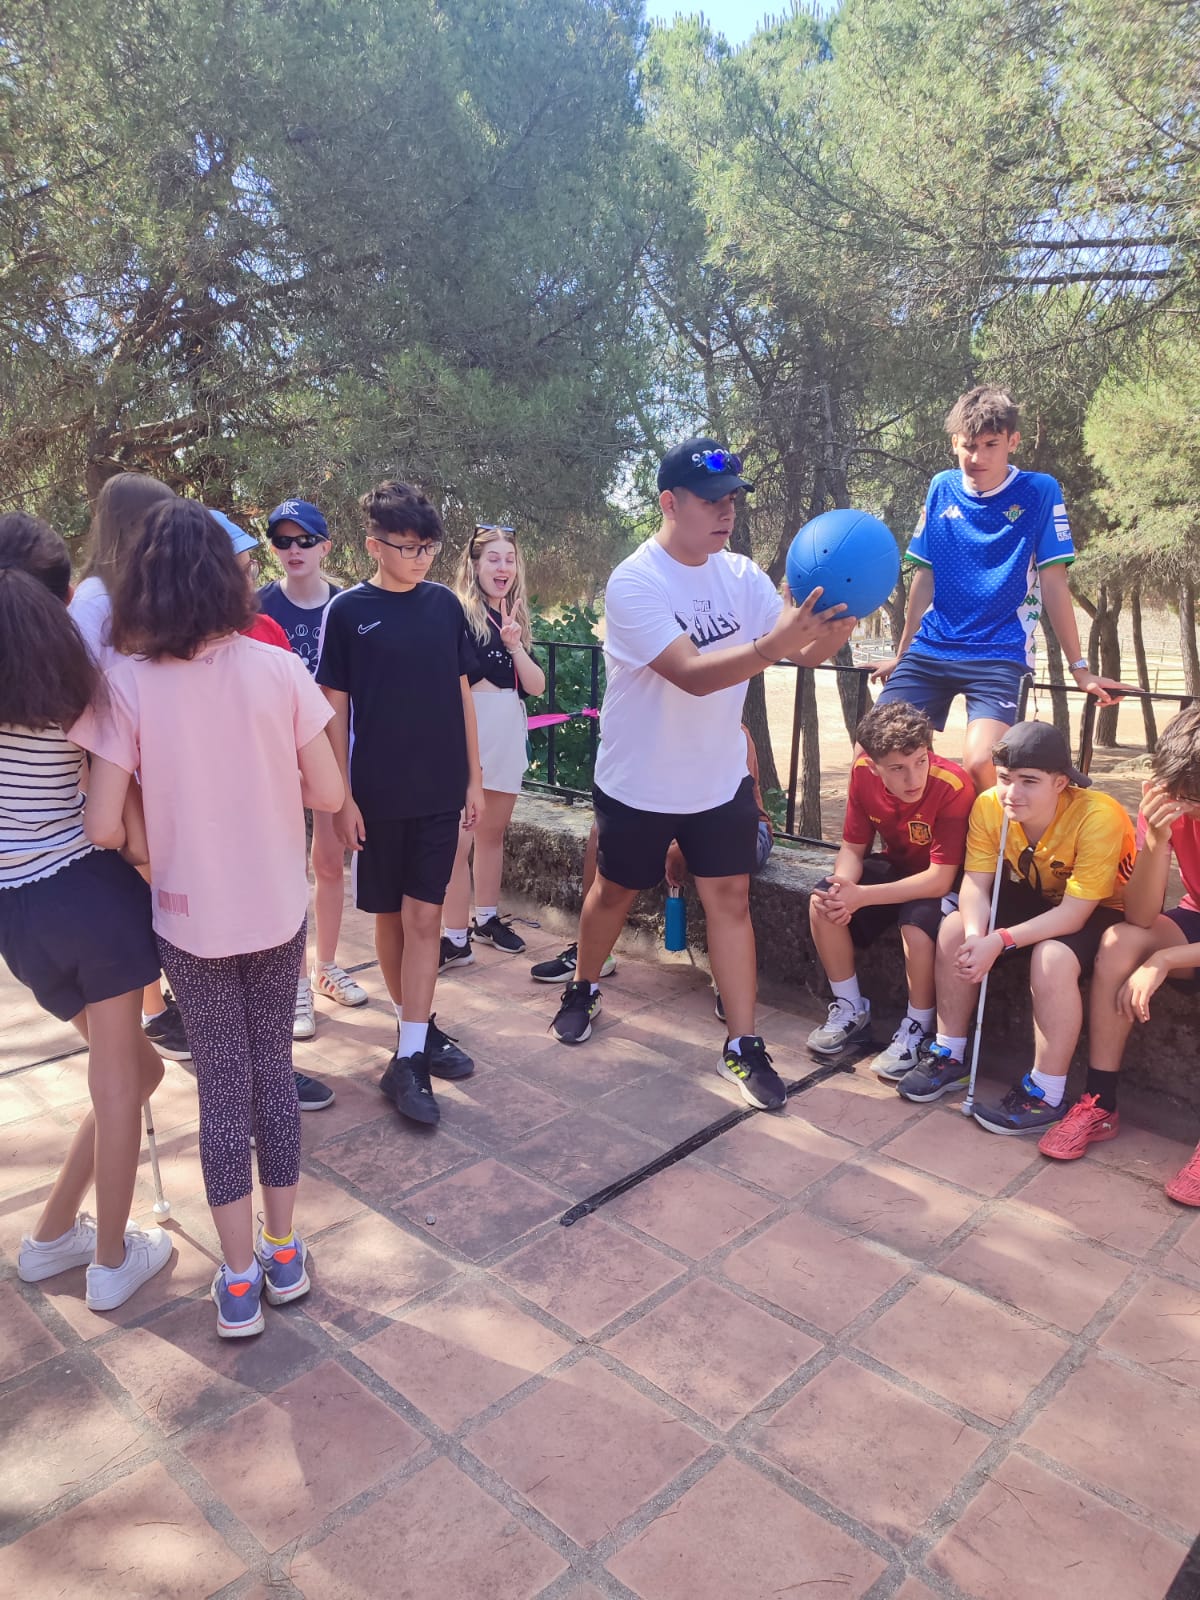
285, 541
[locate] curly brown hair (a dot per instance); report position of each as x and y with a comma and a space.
1176, 762
985, 409
47, 677
180, 586
895, 726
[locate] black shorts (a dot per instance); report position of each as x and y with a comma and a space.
81, 936
412, 858
1020, 901
868, 922
631, 845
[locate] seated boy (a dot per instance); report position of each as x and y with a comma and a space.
918, 803
1067, 858
1151, 945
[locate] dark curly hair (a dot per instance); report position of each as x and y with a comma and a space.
395, 507
47, 677
895, 726
180, 586
1176, 762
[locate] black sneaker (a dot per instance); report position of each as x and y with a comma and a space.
406, 1083
445, 1059
935, 1074
166, 1033
1022, 1110
750, 1068
313, 1094
562, 967
455, 955
497, 932
573, 1022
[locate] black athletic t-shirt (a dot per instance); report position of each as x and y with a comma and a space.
400, 658
492, 662
302, 626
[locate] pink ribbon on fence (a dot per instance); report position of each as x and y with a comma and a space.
549, 719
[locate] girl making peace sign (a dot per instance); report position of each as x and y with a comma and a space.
490, 582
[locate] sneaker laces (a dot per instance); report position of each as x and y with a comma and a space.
841, 1011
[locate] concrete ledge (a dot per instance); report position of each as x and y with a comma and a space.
544, 864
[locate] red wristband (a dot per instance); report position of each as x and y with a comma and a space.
1006, 939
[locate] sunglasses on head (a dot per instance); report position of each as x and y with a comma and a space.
494, 527
285, 541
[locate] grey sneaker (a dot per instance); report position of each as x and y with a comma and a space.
843, 1026
900, 1057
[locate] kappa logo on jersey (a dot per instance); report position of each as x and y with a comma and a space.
920, 832
708, 626
951, 512
1014, 512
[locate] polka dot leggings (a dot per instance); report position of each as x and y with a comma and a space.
238, 1012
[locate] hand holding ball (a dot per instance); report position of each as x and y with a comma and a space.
851, 555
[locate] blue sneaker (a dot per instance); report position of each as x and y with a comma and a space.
935, 1074
239, 1308
284, 1269
1023, 1110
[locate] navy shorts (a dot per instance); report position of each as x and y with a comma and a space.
80, 936
1188, 923
992, 688
631, 845
1020, 901
868, 922
412, 858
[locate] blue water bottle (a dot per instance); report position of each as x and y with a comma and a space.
675, 926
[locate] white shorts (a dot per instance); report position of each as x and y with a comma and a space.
500, 718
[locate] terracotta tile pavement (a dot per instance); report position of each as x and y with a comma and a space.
854, 1349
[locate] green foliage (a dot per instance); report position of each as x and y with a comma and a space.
573, 691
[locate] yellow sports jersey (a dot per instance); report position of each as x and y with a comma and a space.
1086, 852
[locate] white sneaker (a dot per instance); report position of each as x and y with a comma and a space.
844, 1026
339, 986
147, 1250
36, 1260
304, 1023
900, 1057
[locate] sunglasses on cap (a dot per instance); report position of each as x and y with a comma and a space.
717, 461
285, 541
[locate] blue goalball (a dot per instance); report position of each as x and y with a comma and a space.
851, 555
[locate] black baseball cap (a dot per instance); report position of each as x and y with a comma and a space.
704, 467
1040, 745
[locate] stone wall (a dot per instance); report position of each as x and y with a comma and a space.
544, 863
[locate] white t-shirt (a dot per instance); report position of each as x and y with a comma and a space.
91, 611
661, 749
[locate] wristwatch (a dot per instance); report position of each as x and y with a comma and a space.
1006, 939
1079, 666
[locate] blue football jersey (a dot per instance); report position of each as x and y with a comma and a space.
985, 552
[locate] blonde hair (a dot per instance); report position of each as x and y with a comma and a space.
122, 506
466, 583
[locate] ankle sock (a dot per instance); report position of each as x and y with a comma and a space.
485, 913
956, 1046
1052, 1088
412, 1038
594, 987
279, 1244
1104, 1086
251, 1275
456, 936
152, 1016
849, 991
923, 1019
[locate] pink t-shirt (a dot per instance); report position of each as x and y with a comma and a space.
1185, 842
214, 741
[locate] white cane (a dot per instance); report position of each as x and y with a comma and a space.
162, 1207
968, 1105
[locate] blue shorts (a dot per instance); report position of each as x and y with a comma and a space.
992, 688
1188, 923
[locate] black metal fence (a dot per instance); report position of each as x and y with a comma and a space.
1081, 713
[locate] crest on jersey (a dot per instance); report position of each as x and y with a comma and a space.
920, 833
1014, 512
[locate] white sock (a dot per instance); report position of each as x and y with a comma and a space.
1052, 1088
956, 1046
399, 1010
456, 936
250, 1276
923, 1019
149, 1016
485, 913
594, 987
412, 1038
849, 991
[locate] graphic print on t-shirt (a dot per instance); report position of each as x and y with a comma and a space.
708, 625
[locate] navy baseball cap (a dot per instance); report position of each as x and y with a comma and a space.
302, 512
702, 466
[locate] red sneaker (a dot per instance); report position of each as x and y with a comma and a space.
1086, 1123
1185, 1185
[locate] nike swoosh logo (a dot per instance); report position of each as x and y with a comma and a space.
365, 627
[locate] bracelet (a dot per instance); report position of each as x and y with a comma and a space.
760, 655
1006, 939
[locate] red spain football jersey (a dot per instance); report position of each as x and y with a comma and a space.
931, 832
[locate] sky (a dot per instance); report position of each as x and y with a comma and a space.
736, 19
